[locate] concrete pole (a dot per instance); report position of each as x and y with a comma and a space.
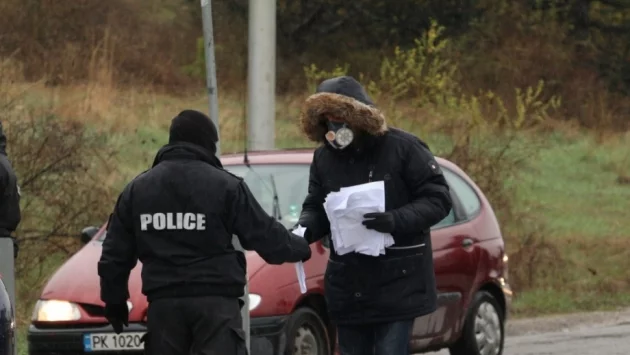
261, 78
7, 270
211, 66
211, 80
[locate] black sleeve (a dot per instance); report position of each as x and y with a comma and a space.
431, 201
258, 231
10, 195
313, 215
4, 180
119, 254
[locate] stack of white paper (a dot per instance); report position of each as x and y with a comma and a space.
345, 210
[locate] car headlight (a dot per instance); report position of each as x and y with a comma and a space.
254, 301
55, 311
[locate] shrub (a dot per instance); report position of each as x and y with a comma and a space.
66, 174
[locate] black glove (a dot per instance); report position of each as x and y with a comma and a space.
117, 315
379, 221
308, 236
301, 248
307, 233
308, 256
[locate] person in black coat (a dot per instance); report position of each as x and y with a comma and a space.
373, 300
10, 215
178, 219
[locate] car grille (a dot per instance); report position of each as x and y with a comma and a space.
93, 310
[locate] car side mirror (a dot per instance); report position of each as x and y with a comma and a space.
88, 233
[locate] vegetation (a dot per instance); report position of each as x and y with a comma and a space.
529, 97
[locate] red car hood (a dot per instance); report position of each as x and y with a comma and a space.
77, 279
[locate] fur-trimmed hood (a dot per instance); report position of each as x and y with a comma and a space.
345, 98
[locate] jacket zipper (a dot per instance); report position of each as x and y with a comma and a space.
371, 173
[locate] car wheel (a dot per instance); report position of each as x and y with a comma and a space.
307, 334
483, 332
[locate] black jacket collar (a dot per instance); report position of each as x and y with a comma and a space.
186, 151
364, 144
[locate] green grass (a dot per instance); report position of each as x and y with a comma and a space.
551, 301
574, 188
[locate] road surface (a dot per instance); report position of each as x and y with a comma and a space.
602, 333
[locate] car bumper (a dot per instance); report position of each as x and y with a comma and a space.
267, 338
509, 295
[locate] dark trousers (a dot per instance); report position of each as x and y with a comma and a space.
375, 339
195, 326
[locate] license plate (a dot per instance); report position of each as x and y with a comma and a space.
111, 341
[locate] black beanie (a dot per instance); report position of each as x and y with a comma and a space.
194, 127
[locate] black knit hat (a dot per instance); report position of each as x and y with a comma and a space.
194, 127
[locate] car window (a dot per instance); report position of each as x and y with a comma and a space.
291, 183
447, 221
465, 194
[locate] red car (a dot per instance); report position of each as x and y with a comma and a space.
469, 257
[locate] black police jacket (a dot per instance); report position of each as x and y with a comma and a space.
9, 193
178, 219
401, 284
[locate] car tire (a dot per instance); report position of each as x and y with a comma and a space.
484, 320
307, 334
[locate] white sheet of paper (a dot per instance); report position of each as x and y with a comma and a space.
299, 266
345, 210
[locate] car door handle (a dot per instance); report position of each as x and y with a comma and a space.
467, 242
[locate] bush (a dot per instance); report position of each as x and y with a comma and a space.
71, 41
66, 174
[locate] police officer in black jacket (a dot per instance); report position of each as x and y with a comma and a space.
373, 300
178, 219
10, 215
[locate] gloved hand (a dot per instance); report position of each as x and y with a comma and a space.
307, 233
379, 221
301, 248
117, 315
308, 236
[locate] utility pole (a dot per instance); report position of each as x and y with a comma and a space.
211, 80
261, 78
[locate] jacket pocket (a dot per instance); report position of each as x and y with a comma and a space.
402, 276
338, 286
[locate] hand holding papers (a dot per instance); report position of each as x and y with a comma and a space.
345, 210
299, 266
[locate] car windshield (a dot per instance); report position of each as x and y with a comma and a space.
291, 184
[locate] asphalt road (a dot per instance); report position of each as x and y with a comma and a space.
602, 334
608, 340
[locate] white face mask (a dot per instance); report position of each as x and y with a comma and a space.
339, 135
